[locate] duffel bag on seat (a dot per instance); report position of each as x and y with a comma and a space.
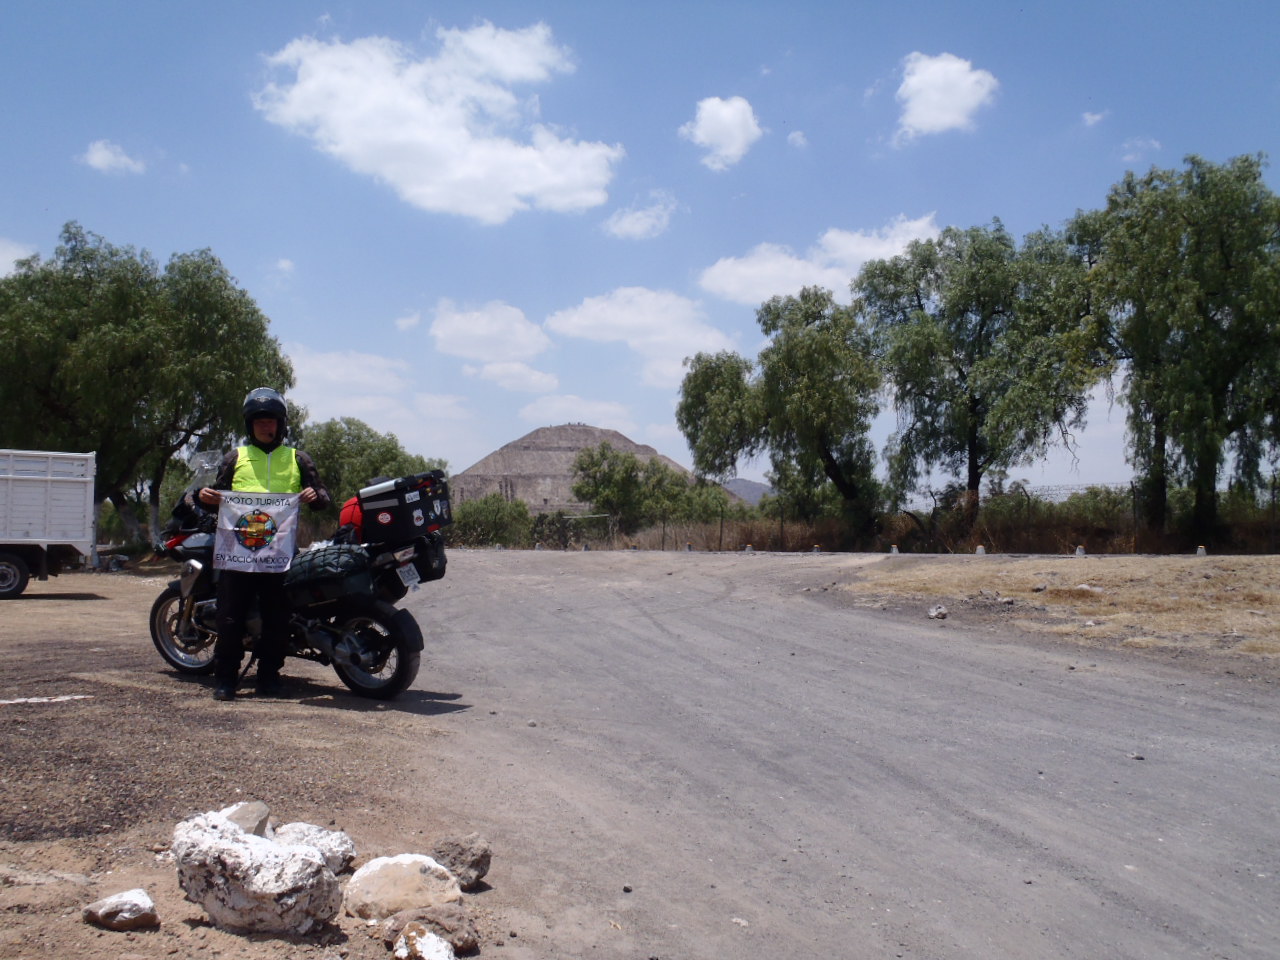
325, 574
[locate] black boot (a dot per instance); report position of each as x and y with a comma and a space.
224, 690
269, 685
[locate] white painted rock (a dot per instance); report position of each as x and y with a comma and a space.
419, 943
248, 884
387, 885
336, 847
131, 910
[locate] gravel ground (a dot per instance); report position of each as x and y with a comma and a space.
103, 749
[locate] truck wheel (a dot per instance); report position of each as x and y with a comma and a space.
13, 575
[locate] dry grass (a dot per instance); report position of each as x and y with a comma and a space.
1206, 603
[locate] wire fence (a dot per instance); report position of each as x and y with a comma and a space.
1049, 492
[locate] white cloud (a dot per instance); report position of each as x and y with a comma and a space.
643, 223
10, 253
553, 410
1093, 119
107, 157
448, 132
285, 266
940, 93
770, 270
662, 327
797, 139
516, 376
496, 333
408, 321
380, 392
1138, 149
726, 128
323, 375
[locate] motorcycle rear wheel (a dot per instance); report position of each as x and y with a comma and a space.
395, 657
191, 654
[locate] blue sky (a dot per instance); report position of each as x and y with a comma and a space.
469, 220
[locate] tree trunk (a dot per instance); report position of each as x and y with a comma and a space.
1155, 485
858, 501
127, 515
973, 482
1204, 515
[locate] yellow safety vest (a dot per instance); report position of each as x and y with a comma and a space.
260, 472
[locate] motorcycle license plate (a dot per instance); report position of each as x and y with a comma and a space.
408, 574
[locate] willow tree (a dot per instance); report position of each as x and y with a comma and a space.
102, 350
636, 492
1190, 274
990, 349
807, 402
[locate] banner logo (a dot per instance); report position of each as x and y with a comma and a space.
255, 530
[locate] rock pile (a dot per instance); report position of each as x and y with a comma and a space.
252, 877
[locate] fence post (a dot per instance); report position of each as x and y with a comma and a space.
1273, 512
1133, 500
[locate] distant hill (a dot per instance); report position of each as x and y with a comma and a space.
538, 468
749, 490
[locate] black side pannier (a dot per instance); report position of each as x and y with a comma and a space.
329, 573
430, 562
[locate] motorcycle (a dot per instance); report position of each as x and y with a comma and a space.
342, 595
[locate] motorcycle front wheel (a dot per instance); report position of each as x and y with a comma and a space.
189, 653
387, 657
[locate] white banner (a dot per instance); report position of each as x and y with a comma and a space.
256, 531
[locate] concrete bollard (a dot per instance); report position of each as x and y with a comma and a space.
894, 548
748, 549
981, 551
1201, 552
1079, 551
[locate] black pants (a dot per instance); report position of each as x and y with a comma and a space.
236, 593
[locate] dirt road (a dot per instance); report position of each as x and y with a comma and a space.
673, 755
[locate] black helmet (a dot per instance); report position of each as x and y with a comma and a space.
265, 402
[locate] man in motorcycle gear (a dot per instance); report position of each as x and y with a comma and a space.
262, 465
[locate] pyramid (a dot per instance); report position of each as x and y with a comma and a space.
538, 468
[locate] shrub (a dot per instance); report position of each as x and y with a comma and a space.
489, 521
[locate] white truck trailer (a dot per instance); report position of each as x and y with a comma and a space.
46, 515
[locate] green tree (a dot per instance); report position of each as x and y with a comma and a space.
349, 453
634, 492
989, 348
609, 480
1190, 275
492, 519
808, 403
101, 350
800, 496
702, 501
